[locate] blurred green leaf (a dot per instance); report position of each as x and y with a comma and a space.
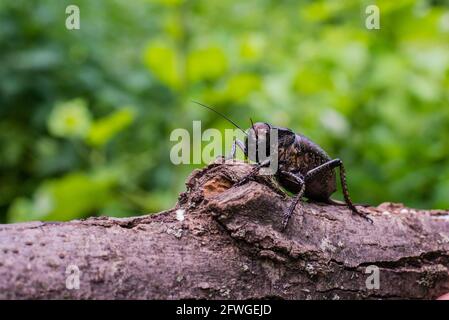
162, 59
241, 85
70, 119
206, 63
73, 196
105, 128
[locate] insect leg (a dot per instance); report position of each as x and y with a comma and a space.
300, 182
235, 144
253, 172
330, 165
342, 203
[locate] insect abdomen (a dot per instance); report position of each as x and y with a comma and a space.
321, 186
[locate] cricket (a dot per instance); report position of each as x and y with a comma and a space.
304, 168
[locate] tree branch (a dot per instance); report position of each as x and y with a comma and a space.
224, 242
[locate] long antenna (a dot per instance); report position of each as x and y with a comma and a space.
257, 139
252, 127
252, 123
220, 114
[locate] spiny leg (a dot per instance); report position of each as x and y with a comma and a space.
253, 172
342, 203
235, 144
330, 165
348, 200
300, 182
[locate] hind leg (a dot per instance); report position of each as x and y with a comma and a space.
342, 203
330, 165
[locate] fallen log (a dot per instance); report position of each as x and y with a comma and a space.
225, 242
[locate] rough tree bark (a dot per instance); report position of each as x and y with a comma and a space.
224, 242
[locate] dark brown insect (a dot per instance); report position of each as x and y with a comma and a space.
303, 167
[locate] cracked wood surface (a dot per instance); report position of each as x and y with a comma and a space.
225, 242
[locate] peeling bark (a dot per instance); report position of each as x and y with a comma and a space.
223, 242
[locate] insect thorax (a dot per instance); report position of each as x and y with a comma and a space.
301, 156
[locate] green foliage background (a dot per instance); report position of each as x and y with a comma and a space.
86, 115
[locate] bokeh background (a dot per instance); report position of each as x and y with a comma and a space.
86, 115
